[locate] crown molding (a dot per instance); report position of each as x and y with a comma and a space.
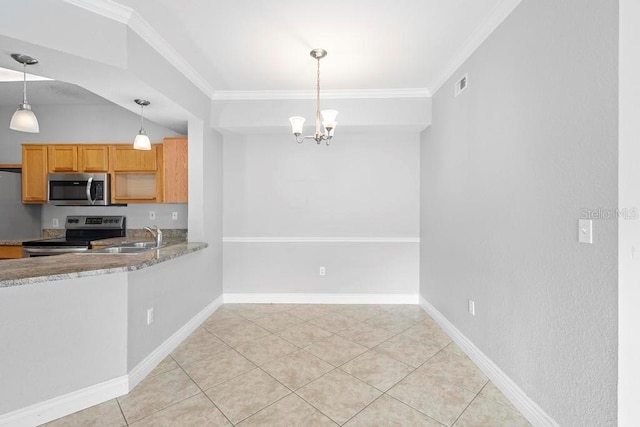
125, 15
255, 95
481, 33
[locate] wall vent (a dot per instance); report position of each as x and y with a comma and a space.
461, 84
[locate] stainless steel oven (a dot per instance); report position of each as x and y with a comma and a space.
79, 189
80, 232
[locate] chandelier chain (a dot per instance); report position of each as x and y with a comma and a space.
318, 100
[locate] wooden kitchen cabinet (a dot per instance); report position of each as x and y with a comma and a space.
136, 175
175, 169
34, 173
125, 159
63, 158
93, 158
10, 251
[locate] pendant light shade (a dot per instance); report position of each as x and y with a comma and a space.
141, 141
23, 119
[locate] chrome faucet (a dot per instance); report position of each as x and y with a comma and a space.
157, 234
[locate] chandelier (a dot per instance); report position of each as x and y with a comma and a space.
23, 119
328, 116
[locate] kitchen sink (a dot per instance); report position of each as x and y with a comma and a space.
145, 245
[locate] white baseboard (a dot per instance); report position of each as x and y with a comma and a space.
527, 407
142, 369
322, 298
66, 404
78, 400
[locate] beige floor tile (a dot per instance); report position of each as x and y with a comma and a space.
366, 334
240, 333
195, 411
491, 392
217, 325
432, 396
289, 411
413, 312
459, 370
363, 312
392, 322
483, 412
377, 370
406, 350
247, 394
307, 311
255, 311
333, 322
297, 369
216, 369
200, 344
266, 349
335, 350
155, 393
304, 334
106, 414
222, 313
165, 365
388, 412
453, 348
277, 321
427, 333
338, 395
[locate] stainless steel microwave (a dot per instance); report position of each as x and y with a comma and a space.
79, 189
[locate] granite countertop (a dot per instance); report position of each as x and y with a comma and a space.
16, 272
17, 242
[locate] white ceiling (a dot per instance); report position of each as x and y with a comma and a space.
48, 93
259, 45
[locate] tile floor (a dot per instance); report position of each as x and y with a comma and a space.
311, 365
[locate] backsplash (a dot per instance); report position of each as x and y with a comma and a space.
137, 215
168, 234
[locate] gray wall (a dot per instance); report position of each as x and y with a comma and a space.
507, 167
364, 186
61, 337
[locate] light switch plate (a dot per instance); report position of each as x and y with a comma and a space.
585, 231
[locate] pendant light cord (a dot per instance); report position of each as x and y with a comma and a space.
141, 118
24, 85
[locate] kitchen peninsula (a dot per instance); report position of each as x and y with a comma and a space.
80, 329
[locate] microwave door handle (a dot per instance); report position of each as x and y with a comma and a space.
89, 199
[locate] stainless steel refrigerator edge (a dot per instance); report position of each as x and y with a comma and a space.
17, 220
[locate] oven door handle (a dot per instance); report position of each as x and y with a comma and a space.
89, 199
58, 250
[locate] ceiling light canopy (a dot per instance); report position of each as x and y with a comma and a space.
326, 117
141, 141
23, 119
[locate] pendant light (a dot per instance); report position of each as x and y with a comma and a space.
141, 141
326, 117
23, 119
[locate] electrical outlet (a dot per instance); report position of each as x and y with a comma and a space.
174, 216
55, 222
150, 316
152, 214
322, 271
472, 307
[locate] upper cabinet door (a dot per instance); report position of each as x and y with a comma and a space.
125, 159
34, 173
93, 158
63, 158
